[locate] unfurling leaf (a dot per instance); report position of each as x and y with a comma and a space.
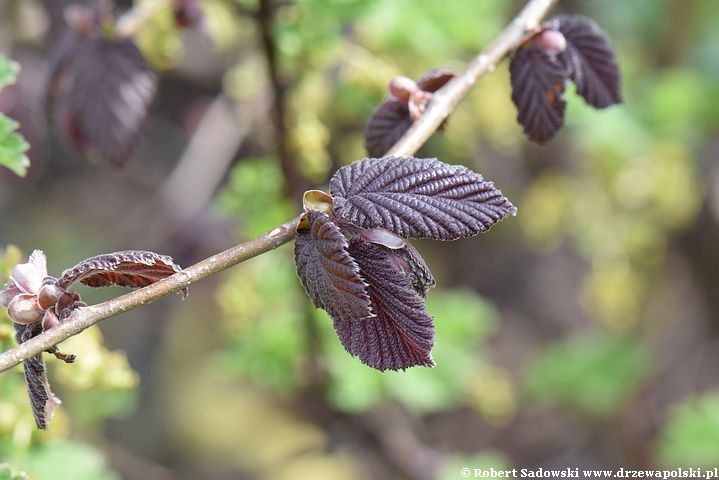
417, 198
538, 81
42, 400
401, 335
131, 268
329, 274
591, 61
100, 92
406, 102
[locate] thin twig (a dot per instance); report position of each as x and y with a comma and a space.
444, 101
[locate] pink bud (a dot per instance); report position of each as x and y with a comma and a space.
551, 41
48, 295
49, 320
401, 88
23, 309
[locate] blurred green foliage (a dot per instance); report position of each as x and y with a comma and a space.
594, 374
13, 146
691, 435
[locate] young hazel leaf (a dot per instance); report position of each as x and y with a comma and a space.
386, 126
435, 79
131, 268
417, 198
42, 401
100, 92
538, 82
591, 60
329, 274
402, 333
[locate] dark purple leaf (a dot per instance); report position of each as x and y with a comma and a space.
416, 268
330, 276
591, 60
100, 92
386, 126
402, 333
417, 198
538, 81
435, 79
131, 268
42, 401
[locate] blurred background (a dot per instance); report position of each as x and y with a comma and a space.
582, 333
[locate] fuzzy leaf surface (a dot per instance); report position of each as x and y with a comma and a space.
130, 268
100, 92
329, 274
402, 333
538, 82
592, 63
417, 198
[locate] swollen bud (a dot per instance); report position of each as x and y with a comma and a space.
551, 41
48, 295
23, 309
402, 88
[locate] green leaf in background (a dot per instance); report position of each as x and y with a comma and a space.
254, 196
68, 461
691, 435
12, 145
6, 473
8, 71
592, 373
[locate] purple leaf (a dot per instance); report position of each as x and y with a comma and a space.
402, 333
330, 276
591, 60
386, 126
417, 198
538, 82
42, 401
435, 79
100, 92
131, 268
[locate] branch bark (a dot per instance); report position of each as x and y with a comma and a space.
443, 103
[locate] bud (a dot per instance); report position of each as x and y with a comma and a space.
23, 309
48, 295
401, 88
49, 320
551, 41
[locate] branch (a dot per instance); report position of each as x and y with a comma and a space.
446, 99
443, 102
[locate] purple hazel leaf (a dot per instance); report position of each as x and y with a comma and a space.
100, 92
435, 79
538, 81
386, 126
591, 60
402, 333
42, 401
327, 271
130, 268
417, 198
